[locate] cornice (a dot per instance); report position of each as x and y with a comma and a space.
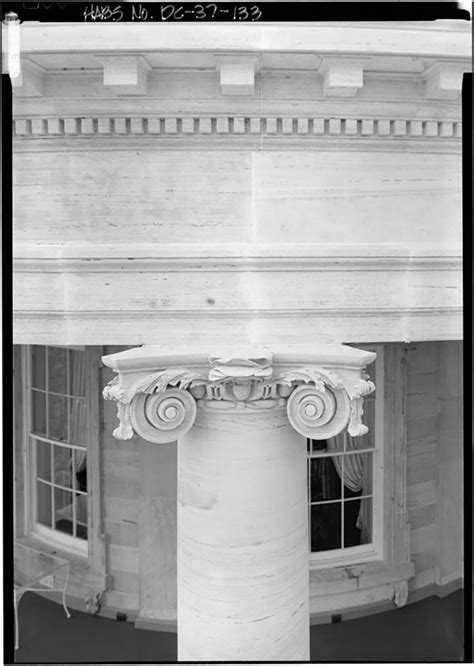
453, 40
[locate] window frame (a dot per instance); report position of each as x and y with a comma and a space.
92, 550
374, 551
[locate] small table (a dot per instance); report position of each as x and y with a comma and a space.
36, 571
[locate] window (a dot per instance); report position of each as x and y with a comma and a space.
58, 432
345, 487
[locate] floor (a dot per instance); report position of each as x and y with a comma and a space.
429, 630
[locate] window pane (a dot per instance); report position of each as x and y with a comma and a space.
82, 532
352, 532
338, 442
43, 503
43, 460
81, 509
78, 420
325, 526
38, 367
317, 445
357, 443
57, 369
357, 474
63, 510
63, 466
357, 522
80, 470
77, 374
325, 481
57, 417
38, 412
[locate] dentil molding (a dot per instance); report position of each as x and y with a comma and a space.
161, 404
236, 126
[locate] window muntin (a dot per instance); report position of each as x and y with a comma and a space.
345, 495
57, 441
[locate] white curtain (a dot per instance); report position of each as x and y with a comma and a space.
78, 413
357, 476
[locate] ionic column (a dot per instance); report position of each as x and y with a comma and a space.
241, 422
243, 579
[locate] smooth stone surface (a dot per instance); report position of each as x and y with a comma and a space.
243, 578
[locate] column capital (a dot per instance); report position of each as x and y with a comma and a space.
159, 389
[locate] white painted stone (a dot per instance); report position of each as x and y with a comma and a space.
38, 126
137, 126
21, 127
342, 77
444, 80
255, 125
399, 128
239, 125
103, 125
243, 577
87, 126
120, 125
383, 127
125, 74
30, 82
422, 40
171, 126
154, 125
187, 125
237, 75
351, 126
334, 126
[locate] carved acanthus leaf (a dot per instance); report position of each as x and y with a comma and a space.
154, 382
157, 382
113, 390
359, 388
317, 376
124, 430
356, 391
356, 428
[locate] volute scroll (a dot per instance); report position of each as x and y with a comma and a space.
316, 413
163, 417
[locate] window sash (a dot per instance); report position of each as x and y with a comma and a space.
373, 550
62, 539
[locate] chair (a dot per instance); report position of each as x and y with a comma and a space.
37, 572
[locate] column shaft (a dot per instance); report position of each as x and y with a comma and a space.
243, 576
